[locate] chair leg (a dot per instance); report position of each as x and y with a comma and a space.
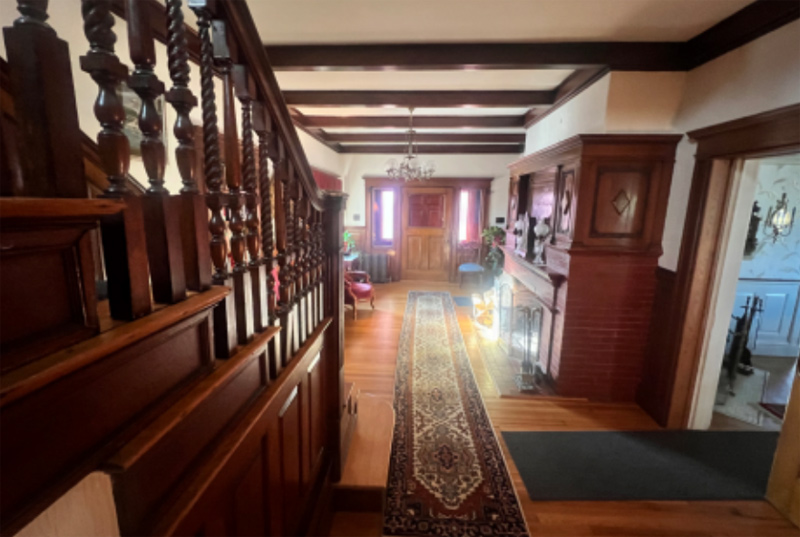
372, 301
355, 310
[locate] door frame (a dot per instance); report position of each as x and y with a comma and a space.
396, 249
721, 149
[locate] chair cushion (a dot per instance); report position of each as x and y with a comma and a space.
470, 267
361, 290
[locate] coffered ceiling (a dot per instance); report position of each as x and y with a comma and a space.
478, 71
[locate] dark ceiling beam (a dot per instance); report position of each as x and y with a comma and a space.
401, 122
375, 137
619, 56
423, 149
426, 99
747, 24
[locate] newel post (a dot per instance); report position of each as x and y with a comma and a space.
334, 336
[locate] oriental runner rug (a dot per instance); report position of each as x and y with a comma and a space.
447, 476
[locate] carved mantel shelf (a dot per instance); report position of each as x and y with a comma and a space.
540, 281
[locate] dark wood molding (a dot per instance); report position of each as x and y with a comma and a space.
571, 87
746, 25
629, 56
749, 23
776, 132
373, 181
768, 133
451, 149
429, 99
401, 122
421, 137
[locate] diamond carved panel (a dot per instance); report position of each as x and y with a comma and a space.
621, 202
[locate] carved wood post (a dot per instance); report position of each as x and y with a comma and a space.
245, 91
283, 234
49, 146
161, 212
123, 236
242, 288
334, 335
263, 126
193, 211
225, 339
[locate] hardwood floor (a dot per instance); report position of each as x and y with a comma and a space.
370, 351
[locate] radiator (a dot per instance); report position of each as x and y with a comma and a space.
376, 265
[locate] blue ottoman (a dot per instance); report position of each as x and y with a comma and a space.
469, 268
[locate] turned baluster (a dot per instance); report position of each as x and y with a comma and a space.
212, 166
242, 283
262, 125
233, 177
144, 82
124, 244
193, 212
162, 212
245, 91
108, 72
284, 234
180, 96
225, 333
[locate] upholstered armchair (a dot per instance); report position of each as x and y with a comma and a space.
358, 288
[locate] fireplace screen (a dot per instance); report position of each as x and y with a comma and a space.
519, 333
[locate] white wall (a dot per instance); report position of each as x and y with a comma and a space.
356, 167
762, 75
320, 155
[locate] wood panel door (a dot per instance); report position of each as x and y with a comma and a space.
426, 233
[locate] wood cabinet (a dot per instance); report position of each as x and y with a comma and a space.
605, 198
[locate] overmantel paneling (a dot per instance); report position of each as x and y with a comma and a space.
608, 212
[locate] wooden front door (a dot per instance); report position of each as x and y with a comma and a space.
426, 223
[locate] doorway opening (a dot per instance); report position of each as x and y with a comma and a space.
753, 343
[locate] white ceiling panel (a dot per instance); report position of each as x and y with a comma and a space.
390, 130
499, 79
442, 21
357, 111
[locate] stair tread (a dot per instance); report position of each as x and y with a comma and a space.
367, 464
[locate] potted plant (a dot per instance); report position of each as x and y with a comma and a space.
349, 243
494, 237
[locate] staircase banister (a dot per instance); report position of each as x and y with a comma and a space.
251, 52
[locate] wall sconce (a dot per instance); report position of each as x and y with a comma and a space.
780, 220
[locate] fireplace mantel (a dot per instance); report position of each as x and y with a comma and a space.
540, 281
604, 198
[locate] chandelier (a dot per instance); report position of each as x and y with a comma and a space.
410, 168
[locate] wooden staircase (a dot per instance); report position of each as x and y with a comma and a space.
208, 385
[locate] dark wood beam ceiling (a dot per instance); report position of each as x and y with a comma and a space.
401, 122
751, 22
420, 99
620, 56
375, 137
436, 149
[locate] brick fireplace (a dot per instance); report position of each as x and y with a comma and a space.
603, 199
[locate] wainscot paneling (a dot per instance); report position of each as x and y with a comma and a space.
47, 428
256, 472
